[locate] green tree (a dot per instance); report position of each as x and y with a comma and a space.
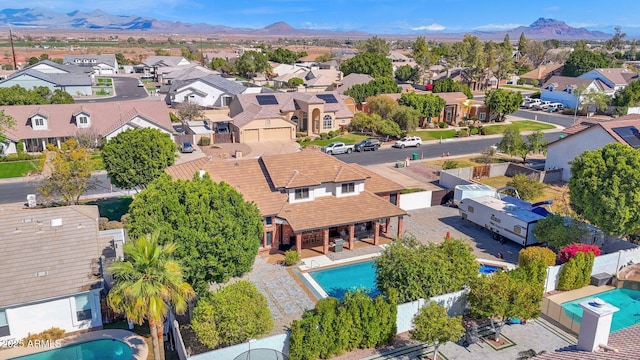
218, 63
323, 58
60, 96
295, 82
218, 232
506, 43
136, 157
539, 254
374, 45
582, 61
6, 122
576, 273
121, 59
382, 105
558, 231
33, 60
406, 73
522, 43
627, 97
434, 327
406, 117
428, 105
512, 141
449, 85
604, 188
188, 111
418, 271
251, 63
376, 65
145, 283
70, 172
231, 315
374, 87
376, 124
142, 40
528, 188
474, 57
422, 56
617, 41
283, 56
502, 102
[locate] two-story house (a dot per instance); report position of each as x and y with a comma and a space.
565, 89
616, 79
101, 64
40, 125
51, 270
208, 91
277, 116
308, 198
70, 78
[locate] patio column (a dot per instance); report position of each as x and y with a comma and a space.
376, 232
352, 230
264, 236
400, 225
325, 240
299, 243
386, 225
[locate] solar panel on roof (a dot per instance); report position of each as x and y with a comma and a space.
629, 134
267, 100
328, 98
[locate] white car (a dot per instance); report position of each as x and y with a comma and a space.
533, 102
543, 105
408, 141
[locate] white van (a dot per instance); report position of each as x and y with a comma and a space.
553, 107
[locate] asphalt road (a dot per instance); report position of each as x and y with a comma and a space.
126, 89
552, 118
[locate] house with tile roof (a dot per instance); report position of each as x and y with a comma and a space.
615, 79
50, 270
70, 78
278, 116
308, 198
562, 89
101, 64
542, 73
151, 64
40, 125
591, 134
457, 108
208, 91
350, 80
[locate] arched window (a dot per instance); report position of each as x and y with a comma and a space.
327, 122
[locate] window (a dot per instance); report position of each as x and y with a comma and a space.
268, 220
348, 188
4, 324
269, 238
83, 307
470, 209
569, 90
483, 116
39, 121
517, 229
494, 218
393, 198
83, 120
294, 119
302, 194
327, 122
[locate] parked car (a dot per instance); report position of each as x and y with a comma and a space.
186, 147
555, 107
525, 101
337, 148
369, 144
408, 141
531, 103
542, 105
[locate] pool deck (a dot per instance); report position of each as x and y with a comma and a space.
136, 342
552, 305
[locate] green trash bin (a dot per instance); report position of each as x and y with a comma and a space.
415, 156
399, 164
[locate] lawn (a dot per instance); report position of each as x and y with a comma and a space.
112, 208
559, 194
521, 125
12, 169
347, 139
518, 87
468, 161
426, 135
96, 162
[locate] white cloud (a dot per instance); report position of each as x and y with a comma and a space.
495, 27
552, 9
582, 25
432, 27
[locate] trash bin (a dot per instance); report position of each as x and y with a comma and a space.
400, 164
338, 245
415, 156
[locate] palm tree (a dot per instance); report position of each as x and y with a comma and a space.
145, 283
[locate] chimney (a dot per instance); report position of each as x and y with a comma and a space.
340, 75
595, 325
201, 173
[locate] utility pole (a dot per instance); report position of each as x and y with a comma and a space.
13, 50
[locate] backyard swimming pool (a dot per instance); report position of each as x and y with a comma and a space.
628, 301
98, 349
336, 281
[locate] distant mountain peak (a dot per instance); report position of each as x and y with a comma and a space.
279, 26
543, 22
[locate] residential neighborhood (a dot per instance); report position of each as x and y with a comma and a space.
184, 190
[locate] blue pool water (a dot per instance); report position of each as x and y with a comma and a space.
95, 350
628, 301
338, 280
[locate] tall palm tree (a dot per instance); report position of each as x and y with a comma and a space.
145, 283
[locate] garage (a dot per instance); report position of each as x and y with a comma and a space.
278, 134
250, 135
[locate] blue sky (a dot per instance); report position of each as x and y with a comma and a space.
374, 16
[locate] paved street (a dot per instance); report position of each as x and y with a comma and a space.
126, 89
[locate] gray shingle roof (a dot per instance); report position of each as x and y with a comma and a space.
41, 260
90, 59
69, 79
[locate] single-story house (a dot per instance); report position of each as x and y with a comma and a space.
308, 198
70, 78
150, 65
542, 73
616, 79
101, 64
51, 270
170, 74
278, 116
562, 89
457, 108
591, 134
39, 125
208, 91
350, 80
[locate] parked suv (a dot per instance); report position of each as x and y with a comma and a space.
187, 147
408, 141
369, 144
555, 107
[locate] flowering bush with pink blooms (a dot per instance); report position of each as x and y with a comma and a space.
570, 251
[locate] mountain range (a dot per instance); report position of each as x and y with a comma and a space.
95, 20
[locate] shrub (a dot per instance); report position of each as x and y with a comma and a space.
20, 147
233, 314
451, 164
19, 157
570, 251
536, 253
463, 132
442, 124
291, 257
49, 335
205, 141
324, 136
475, 131
301, 134
335, 327
558, 231
576, 273
521, 81
174, 117
528, 188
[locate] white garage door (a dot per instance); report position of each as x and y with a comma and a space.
283, 133
250, 135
